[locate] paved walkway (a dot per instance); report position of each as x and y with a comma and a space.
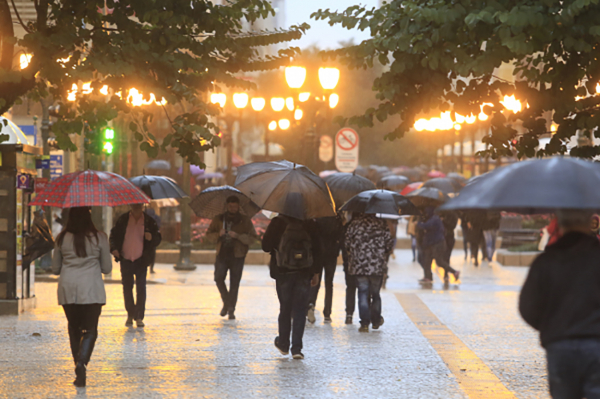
462, 341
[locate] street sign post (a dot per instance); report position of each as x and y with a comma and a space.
346, 150
56, 164
326, 149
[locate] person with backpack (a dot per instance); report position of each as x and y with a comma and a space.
233, 233
368, 241
294, 247
329, 229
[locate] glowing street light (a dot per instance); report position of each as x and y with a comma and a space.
24, 60
258, 103
334, 99
295, 76
512, 104
303, 97
289, 103
240, 100
277, 103
298, 114
272, 125
329, 77
284, 124
218, 98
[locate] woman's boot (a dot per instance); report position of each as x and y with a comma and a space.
85, 353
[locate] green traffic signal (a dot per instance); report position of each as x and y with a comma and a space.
109, 133
108, 147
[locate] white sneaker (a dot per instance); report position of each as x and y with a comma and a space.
311, 314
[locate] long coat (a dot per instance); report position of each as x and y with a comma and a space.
80, 280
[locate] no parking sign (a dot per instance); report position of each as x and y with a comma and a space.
346, 150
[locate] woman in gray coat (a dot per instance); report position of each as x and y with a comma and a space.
81, 255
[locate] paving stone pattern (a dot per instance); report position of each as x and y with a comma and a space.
186, 350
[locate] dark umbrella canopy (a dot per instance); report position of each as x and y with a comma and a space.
380, 201
159, 164
460, 179
413, 174
344, 186
535, 186
287, 188
158, 187
393, 182
427, 196
211, 202
444, 184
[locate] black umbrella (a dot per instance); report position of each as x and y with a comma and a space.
380, 201
393, 182
444, 184
413, 174
535, 186
211, 202
427, 196
460, 179
158, 187
159, 164
287, 188
344, 186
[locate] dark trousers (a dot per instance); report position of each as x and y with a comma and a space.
131, 271
450, 241
466, 236
438, 252
235, 266
350, 293
369, 300
413, 246
83, 324
293, 290
329, 268
574, 368
477, 240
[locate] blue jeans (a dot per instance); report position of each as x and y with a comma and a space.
293, 291
129, 270
369, 300
574, 368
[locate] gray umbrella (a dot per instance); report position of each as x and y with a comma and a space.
393, 182
344, 186
427, 196
535, 186
211, 202
380, 202
158, 187
287, 188
159, 164
444, 184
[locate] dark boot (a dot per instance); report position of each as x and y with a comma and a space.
85, 353
75, 342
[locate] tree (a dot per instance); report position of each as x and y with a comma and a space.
442, 56
175, 50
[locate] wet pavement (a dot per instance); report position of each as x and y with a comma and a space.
187, 350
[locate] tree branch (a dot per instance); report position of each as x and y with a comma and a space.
19, 17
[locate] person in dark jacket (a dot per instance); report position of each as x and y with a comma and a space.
490, 233
449, 220
476, 221
329, 229
561, 299
293, 286
133, 242
434, 246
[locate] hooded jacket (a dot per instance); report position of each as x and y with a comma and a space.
561, 296
368, 241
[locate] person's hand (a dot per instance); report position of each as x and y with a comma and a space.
222, 232
148, 236
469, 225
233, 234
116, 254
314, 281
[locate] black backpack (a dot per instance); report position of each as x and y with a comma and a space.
295, 250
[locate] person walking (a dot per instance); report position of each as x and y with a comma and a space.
411, 231
133, 242
490, 232
561, 299
368, 242
350, 279
476, 221
329, 229
293, 245
233, 233
152, 212
434, 246
449, 221
81, 256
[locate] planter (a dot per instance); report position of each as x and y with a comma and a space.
508, 258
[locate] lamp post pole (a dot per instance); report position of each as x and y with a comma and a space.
185, 240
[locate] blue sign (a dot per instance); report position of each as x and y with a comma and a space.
56, 166
42, 163
23, 182
30, 132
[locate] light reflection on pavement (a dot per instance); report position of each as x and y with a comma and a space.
187, 350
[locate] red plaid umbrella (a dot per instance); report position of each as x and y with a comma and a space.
90, 188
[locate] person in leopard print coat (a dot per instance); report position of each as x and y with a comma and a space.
368, 241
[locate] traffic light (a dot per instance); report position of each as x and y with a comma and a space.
107, 144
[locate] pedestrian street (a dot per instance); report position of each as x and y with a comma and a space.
461, 341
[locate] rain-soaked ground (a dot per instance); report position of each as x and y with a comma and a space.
462, 341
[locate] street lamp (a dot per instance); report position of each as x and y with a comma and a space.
295, 76
258, 103
298, 114
240, 100
284, 124
277, 103
272, 125
218, 98
329, 77
289, 103
303, 97
334, 99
